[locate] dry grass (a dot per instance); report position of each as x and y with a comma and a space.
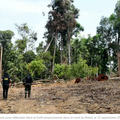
86, 97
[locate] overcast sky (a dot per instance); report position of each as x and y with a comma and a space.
30, 11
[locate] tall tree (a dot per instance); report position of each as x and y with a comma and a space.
5, 40
27, 38
70, 19
62, 21
24, 44
117, 23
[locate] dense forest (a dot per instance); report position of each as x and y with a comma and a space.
64, 52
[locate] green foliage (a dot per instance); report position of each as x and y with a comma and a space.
99, 50
46, 56
21, 45
36, 67
62, 71
79, 46
112, 17
29, 56
99, 69
27, 38
81, 69
12, 71
78, 69
8, 54
6, 36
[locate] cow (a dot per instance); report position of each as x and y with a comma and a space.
102, 77
78, 80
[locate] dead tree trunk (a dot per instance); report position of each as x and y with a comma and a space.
1, 63
54, 52
118, 56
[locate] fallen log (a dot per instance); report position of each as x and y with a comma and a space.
114, 78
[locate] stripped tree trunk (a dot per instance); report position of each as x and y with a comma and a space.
118, 56
61, 48
54, 52
1, 63
49, 44
69, 56
69, 48
118, 41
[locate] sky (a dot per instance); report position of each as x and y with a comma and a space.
30, 11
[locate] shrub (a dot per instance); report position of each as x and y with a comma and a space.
36, 67
77, 70
81, 69
62, 71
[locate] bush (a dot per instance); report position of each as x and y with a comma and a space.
81, 69
62, 71
36, 67
77, 70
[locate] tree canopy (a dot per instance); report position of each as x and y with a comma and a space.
64, 52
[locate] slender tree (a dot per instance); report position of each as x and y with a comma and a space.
27, 38
62, 20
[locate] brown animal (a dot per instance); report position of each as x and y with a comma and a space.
78, 80
102, 77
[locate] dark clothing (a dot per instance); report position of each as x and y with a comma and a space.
5, 91
27, 89
6, 81
27, 83
28, 80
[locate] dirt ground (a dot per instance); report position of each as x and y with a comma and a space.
86, 97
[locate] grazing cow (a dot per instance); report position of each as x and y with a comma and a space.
77, 80
106, 77
102, 77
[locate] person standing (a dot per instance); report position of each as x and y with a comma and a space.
27, 82
6, 80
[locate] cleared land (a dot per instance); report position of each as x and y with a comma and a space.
86, 97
